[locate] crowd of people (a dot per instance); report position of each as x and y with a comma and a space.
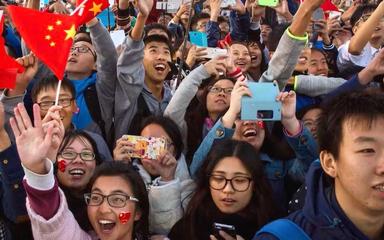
68, 170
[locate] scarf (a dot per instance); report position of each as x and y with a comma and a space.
83, 118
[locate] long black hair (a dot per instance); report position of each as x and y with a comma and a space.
259, 210
195, 116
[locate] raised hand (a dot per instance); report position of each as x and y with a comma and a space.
122, 150
216, 66
59, 8
283, 10
239, 7
33, 145
288, 111
165, 165
29, 62
215, 9
257, 11
373, 69
195, 54
144, 7
239, 90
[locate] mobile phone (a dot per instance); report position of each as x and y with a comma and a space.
145, 147
335, 14
198, 38
229, 229
262, 105
268, 3
227, 3
215, 52
316, 16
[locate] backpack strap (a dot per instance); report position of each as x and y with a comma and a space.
141, 113
92, 101
284, 229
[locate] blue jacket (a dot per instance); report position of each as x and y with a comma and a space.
276, 170
306, 151
321, 217
12, 191
239, 27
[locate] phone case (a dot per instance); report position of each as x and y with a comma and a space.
262, 105
198, 38
144, 147
215, 52
268, 3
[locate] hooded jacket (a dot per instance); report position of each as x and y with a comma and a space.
321, 217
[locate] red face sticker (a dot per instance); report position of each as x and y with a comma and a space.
260, 124
124, 217
61, 165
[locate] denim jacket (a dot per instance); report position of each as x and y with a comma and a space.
306, 151
276, 170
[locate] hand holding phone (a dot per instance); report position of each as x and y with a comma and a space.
262, 105
268, 3
143, 147
228, 229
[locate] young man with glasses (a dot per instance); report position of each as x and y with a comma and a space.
44, 94
90, 61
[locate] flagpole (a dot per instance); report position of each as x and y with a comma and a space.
58, 93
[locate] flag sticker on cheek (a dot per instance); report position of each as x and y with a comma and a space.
61, 165
124, 217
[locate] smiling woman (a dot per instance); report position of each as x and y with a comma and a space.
77, 159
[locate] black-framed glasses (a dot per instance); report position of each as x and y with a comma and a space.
117, 200
83, 49
239, 183
64, 102
214, 89
72, 155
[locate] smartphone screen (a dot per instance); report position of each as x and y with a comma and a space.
229, 229
268, 3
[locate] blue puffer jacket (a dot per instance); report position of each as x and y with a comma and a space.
321, 217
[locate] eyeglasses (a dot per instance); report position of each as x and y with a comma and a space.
84, 49
64, 102
239, 184
84, 155
213, 89
116, 200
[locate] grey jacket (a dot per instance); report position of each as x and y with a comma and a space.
314, 86
184, 94
130, 83
167, 200
283, 61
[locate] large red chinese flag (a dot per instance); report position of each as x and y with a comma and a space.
8, 66
49, 36
88, 9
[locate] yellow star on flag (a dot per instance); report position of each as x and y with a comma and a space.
52, 44
50, 28
48, 37
70, 32
58, 22
96, 8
